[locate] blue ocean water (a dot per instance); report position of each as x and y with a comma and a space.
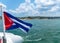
43, 31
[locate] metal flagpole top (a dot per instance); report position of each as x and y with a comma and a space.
0, 7
1, 4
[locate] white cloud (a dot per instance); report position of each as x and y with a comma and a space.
38, 7
27, 8
27, 1
55, 8
24, 7
45, 2
58, 0
50, 5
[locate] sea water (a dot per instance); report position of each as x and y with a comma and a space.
42, 31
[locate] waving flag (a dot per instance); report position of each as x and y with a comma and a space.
12, 22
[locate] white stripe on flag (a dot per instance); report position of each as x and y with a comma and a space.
23, 30
21, 23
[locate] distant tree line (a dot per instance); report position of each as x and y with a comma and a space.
36, 17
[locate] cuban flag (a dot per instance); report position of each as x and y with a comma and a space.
12, 22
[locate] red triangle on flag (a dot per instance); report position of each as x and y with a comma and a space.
8, 22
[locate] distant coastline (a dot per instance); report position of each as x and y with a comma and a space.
39, 17
36, 17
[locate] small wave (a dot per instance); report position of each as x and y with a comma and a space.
35, 39
30, 35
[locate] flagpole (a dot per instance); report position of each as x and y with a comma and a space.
4, 36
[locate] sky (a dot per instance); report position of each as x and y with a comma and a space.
22, 8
